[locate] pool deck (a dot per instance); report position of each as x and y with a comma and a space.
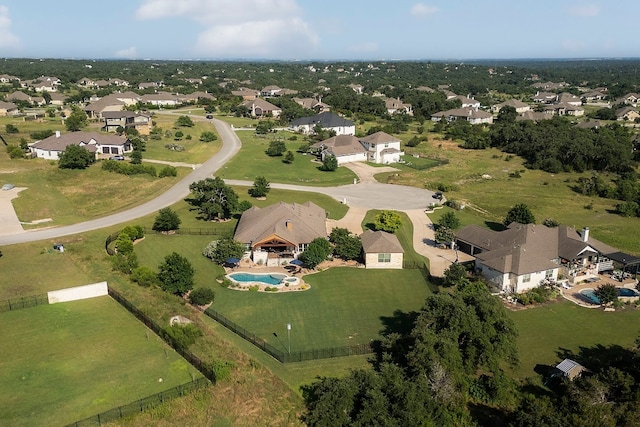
248, 266
574, 296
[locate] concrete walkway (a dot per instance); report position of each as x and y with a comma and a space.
9, 222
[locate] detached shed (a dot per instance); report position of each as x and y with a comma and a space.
570, 369
381, 250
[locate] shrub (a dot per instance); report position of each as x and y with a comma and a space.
168, 171
201, 296
222, 369
183, 336
144, 276
15, 152
208, 136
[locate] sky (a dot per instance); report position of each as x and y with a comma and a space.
319, 29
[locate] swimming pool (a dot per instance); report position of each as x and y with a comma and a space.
622, 292
275, 279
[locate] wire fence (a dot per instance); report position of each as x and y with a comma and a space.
205, 368
288, 357
23, 302
138, 406
195, 231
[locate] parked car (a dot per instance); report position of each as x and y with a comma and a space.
209, 116
438, 195
7, 187
116, 158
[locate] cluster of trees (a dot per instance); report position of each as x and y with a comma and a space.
214, 199
449, 362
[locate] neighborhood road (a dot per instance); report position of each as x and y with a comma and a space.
231, 145
365, 195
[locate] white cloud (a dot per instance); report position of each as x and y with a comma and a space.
7, 38
240, 28
421, 9
585, 10
128, 53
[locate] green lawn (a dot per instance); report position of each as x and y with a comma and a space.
546, 331
64, 362
344, 306
252, 161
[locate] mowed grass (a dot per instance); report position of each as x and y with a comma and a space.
490, 197
64, 362
252, 161
546, 333
344, 306
195, 151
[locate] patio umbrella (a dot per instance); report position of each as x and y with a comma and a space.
233, 260
296, 262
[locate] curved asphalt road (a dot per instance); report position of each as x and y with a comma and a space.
231, 145
369, 195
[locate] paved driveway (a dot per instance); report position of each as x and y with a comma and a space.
9, 222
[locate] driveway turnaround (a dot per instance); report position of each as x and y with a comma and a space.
362, 196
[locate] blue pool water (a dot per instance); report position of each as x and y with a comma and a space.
623, 292
269, 279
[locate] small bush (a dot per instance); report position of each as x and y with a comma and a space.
145, 277
201, 296
168, 171
254, 288
222, 369
184, 335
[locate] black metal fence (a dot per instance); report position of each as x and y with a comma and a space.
23, 302
286, 357
141, 405
204, 368
195, 231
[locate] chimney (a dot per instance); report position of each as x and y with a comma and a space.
289, 224
57, 134
585, 234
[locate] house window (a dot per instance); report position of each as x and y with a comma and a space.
548, 274
105, 150
526, 278
384, 257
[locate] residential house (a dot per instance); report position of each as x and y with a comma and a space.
381, 250
271, 90
312, 104
630, 99
278, 233
545, 97
161, 99
8, 108
149, 85
19, 96
327, 120
357, 88
127, 120
569, 98
570, 369
594, 95
261, 108
379, 147
246, 94
549, 85
425, 89
520, 107
57, 98
103, 145
113, 102
564, 109
45, 84
627, 113
394, 105
195, 96
469, 114
522, 256
535, 116
466, 101
6, 78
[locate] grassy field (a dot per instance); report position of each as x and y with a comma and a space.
64, 362
546, 333
252, 161
344, 306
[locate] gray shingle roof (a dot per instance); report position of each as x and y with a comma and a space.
325, 120
380, 242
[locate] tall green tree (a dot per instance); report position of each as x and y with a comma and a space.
166, 220
76, 121
219, 251
75, 157
260, 187
184, 121
329, 163
213, 198
449, 219
520, 213
276, 148
176, 274
345, 245
316, 252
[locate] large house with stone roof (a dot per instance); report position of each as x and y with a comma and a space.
260, 108
519, 106
470, 114
520, 257
278, 233
127, 120
381, 250
103, 145
327, 121
8, 108
379, 147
